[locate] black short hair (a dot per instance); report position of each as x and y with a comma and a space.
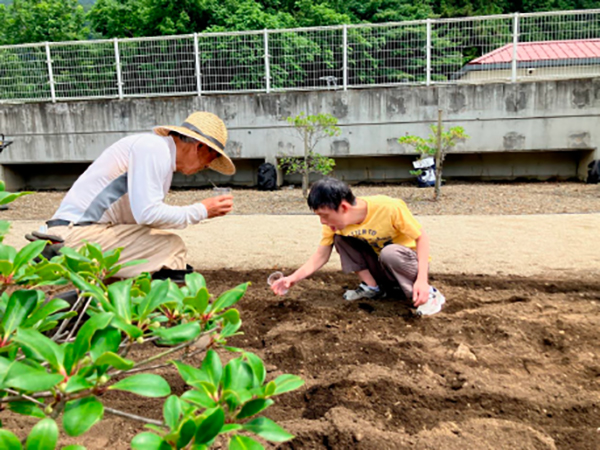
329, 193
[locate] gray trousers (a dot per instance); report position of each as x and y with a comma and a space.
395, 266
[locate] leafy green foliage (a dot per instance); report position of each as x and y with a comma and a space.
311, 129
221, 400
50, 366
428, 146
26, 21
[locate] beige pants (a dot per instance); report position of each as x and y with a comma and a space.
160, 248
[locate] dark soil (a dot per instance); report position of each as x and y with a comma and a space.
378, 377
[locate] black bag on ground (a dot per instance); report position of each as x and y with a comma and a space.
267, 177
594, 172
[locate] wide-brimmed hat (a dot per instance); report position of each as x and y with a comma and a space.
208, 129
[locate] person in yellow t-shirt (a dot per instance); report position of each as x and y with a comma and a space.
377, 238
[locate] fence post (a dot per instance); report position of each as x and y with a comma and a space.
428, 57
118, 62
345, 57
513, 77
267, 68
197, 59
50, 74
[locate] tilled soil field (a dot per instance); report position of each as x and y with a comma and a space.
508, 364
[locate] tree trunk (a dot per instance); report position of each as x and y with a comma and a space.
439, 159
305, 172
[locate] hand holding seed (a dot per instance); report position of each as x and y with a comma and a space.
218, 206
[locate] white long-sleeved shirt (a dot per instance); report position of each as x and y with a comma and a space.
127, 184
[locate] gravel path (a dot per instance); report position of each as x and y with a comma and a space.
457, 199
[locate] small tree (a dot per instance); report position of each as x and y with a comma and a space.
311, 129
438, 144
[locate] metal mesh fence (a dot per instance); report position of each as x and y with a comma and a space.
158, 66
466, 50
82, 70
24, 73
459, 49
306, 59
382, 55
546, 45
232, 62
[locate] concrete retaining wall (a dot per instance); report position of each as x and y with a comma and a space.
539, 130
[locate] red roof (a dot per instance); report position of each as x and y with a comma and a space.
540, 51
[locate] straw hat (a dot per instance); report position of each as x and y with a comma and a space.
208, 129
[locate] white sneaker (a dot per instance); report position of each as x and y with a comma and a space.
362, 291
433, 304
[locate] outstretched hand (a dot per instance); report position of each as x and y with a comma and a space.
218, 206
281, 286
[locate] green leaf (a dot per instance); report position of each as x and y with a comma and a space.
231, 316
254, 407
7, 253
258, 368
81, 414
238, 442
106, 340
6, 267
229, 298
95, 252
29, 379
156, 297
92, 290
199, 302
74, 255
43, 436
209, 428
28, 253
178, 334
149, 441
144, 384
130, 330
267, 429
9, 441
189, 373
286, 383
111, 257
77, 383
172, 411
41, 347
195, 282
43, 311
84, 335
20, 305
199, 397
26, 408
213, 367
186, 433
119, 295
8, 197
238, 376
74, 447
114, 360
269, 389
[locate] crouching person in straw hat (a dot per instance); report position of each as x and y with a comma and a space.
119, 200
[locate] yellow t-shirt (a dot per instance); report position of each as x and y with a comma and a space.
388, 220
